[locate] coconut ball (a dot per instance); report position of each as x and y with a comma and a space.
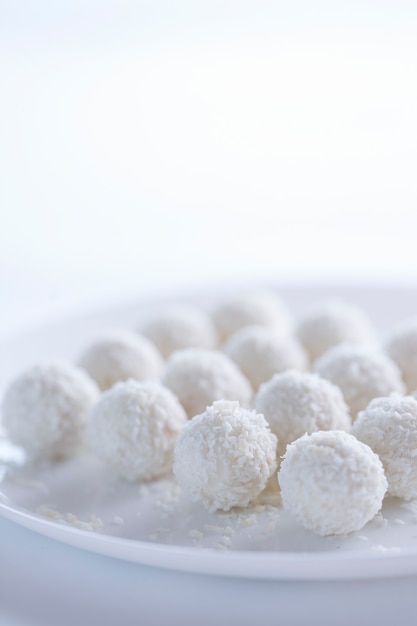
133, 429
361, 373
225, 456
260, 352
180, 327
331, 483
120, 355
402, 348
198, 377
333, 323
262, 308
45, 409
389, 426
295, 403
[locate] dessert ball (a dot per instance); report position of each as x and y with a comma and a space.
133, 429
225, 456
361, 373
45, 409
402, 348
261, 352
331, 324
389, 426
263, 308
180, 327
199, 377
331, 483
120, 355
294, 403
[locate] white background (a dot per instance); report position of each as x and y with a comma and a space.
155, 143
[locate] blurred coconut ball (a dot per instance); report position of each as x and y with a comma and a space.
46, 407
199, 377
260, 352
361, 373
179, 327
261, 308
402, 348
332, 323
119, 355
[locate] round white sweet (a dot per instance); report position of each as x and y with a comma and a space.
295, 403
262, 308
180, 327
402, 348
133, 429
199, 377
225, 456
261, 352
361, 373
45, 409
331, 483
120, 355
389, 426
333, 323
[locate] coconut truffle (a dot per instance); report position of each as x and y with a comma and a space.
45, 409
261, 352
331, 483
199, 377
262, 308
331, 324
361, 373
295, 403
120, 355
402, 348
180, 327
389, 426
133, 429
225, 456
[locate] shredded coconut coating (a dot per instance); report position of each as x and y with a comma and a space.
402, 348
133, 429
331, 483
389, 426
262, 308
225, 456
295, 403
45, 409
331, 324
261, 352
120, 355
199, 377
180, 327
361, 373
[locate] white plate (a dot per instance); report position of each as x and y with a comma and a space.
79, 503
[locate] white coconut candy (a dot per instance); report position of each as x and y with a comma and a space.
225, 456
180, 327
45, 409
389, 426
295, 403
119, 355
263, 308
402, 348
331, 483
361, 373
332, 323
261, 352
199, 377
133, 429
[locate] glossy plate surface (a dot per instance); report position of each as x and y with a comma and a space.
80, 503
